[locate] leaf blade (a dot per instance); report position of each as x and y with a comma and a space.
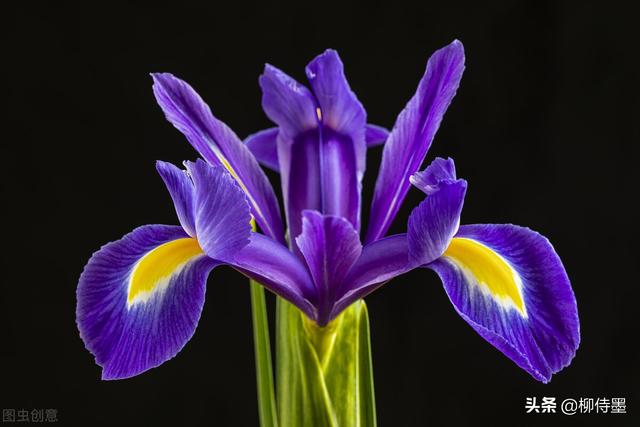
262, 349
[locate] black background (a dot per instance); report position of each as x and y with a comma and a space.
544, 128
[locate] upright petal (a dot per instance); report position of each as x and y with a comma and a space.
139, 299
340, 109
412, 135
218, 144
331, 246
264, 144
342, 121
509, 284
181, 190
293, 108
321, 140
221, 212
287, 103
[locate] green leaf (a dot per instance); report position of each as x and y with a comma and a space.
324, 374
262, 347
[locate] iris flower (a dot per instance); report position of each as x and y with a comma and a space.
140, 298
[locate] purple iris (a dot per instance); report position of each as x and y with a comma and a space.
140, 298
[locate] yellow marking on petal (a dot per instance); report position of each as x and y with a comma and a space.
235, 176
319, 113
153, 270
490, 271
233, 173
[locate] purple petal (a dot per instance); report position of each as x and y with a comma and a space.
128, 330
181, 190
435, 221
429, 179
375, 135
380, 262
279, 270
330, 245
293, 108
341, 163
412, 135
222, 214
340, 110
321, 147
343, 121
287, 102
301, 178
217, 144
264, 146
509, 284
319, 174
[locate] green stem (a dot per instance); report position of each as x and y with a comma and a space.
262, 346
324, 375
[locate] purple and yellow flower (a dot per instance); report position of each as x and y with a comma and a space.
140, 298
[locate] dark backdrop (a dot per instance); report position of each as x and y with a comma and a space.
544, 128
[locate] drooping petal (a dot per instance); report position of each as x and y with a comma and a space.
264, 146
412, 135
380, 262
139, 299
375, 135
181, 190
509, 284
330, 246
435, 221
218, 144
222, 214
279, 270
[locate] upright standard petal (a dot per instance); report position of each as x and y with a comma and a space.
339, 107
509, 284
181, 190
287, 103
412, 135
218, 144
264, 144
321, 140
139, 299
342, 121
221, 212
293, 108
330, 246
